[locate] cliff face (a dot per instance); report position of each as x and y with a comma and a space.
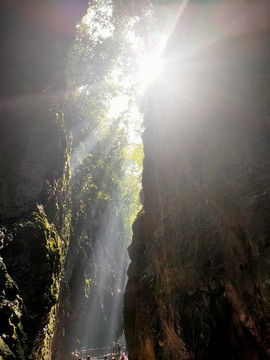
35, 37
198, 283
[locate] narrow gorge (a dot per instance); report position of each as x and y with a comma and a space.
197, 285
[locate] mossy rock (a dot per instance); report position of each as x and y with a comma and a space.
33, 261
5, 352
11, 312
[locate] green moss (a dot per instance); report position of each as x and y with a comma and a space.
53, 246
5, 351
52, 240
49, 331
35, 264
9, 283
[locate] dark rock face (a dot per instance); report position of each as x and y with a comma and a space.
34, 39
198, 283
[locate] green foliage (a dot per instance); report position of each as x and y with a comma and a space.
106, 165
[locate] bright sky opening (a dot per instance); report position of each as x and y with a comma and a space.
150, 68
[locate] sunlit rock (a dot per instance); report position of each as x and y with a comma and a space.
198, 279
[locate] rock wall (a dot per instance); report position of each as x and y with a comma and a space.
198, 283
34, 39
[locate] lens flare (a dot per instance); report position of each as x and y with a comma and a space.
151, 68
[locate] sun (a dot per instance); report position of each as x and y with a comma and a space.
150, 69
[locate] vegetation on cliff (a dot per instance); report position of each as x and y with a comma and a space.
106, 162
39, 226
